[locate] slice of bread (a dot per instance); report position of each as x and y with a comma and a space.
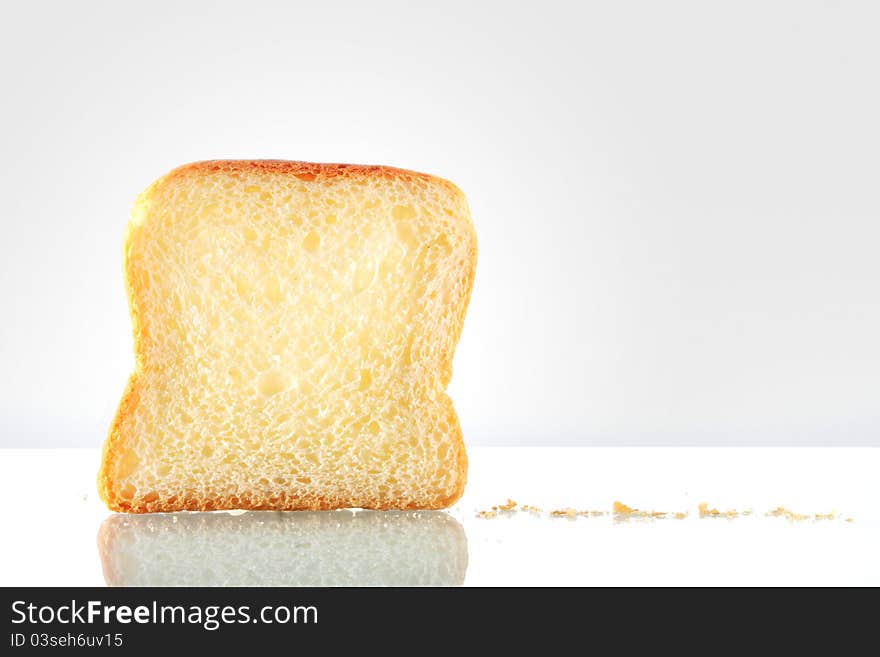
294, 328
341, 548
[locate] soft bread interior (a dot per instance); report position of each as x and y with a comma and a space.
264, 548
294, 333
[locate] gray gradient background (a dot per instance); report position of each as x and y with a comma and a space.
678, 203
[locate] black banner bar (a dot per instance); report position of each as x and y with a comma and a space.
120, 620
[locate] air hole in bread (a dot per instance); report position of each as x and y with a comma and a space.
271, 383
364, 274
311, 242
366, 380
403, 212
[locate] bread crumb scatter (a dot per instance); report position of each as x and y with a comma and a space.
623, 512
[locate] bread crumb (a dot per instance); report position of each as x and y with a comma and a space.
620, 507
850, 520
824, 516
495, 509
681, 515
789, 515
567, 512
623, 512
530, 509
706, 512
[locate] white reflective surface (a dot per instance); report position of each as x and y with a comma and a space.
57, 532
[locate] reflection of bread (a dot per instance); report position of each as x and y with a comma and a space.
339, 548
294, 329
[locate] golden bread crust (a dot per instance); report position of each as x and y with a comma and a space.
307, 171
